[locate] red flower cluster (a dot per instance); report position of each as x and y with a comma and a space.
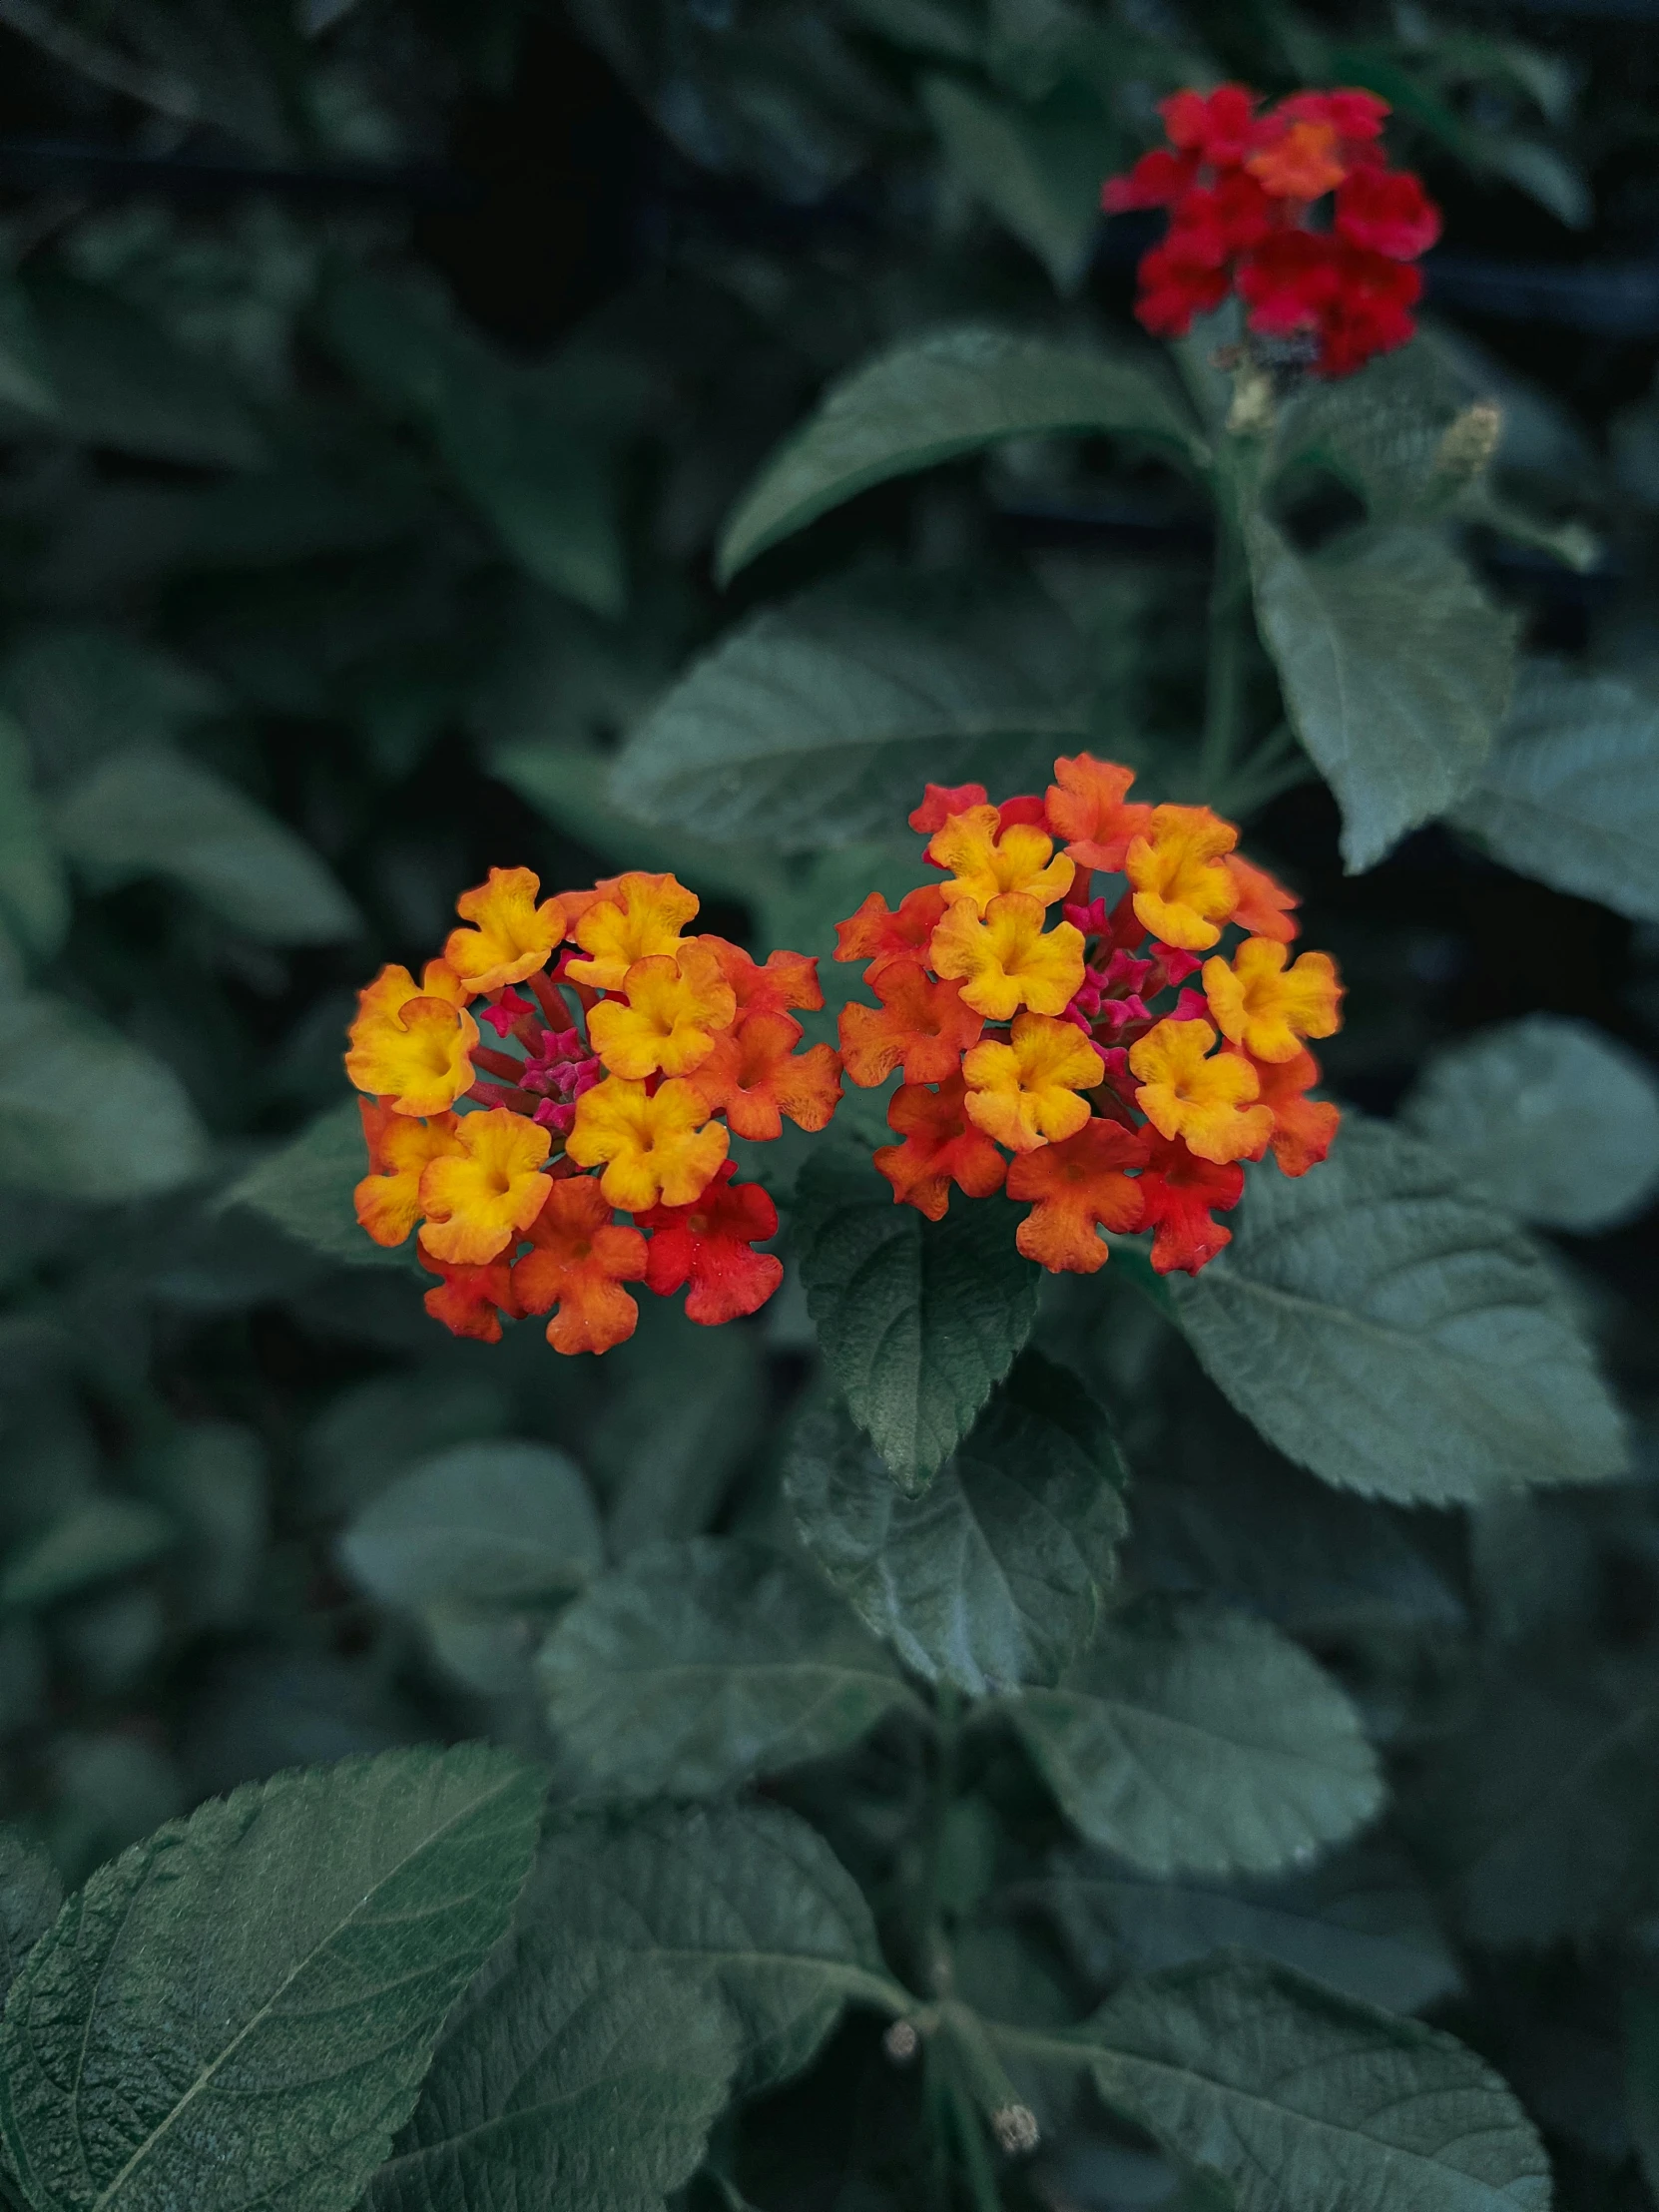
1076, 1049
1242, 190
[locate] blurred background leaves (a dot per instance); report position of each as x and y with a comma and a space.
377, 384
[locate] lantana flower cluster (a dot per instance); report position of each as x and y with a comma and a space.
1106, 1030
592, 1151
1296, 209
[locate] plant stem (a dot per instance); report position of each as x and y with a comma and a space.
1046, 2049
937, 2109
1224, 695
935, 1962
932, 1965
977, 2157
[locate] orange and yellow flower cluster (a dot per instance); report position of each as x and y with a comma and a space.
625, 1053
1126, 1097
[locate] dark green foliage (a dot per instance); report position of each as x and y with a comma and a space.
256, 1990
305, 1187
1395, 670
1641, 2024
1560, 1125
105, 1537
1397, 1335
743, 1901
917, 1319
576, 2073
150, 814
134, 1136
1570, 793
1301, 2098
485, 1522
963, 1738
31, 1897
996, 1574
1202, 1742
34, 893
1359, 1920
699, 1664
1531, 1811
956, 391
815, 723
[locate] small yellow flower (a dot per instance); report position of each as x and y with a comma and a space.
1268, 1008
387, 1200
481, 1197
411, 1045
1183, 888
985, 861
676, 1004
1204, 1102
657, 1148
514, 936
1005, 961
393, 987
1024, 1093
637, 916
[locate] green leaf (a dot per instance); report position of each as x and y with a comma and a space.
368, 1432
942, 29
1549, 1116
209, 1479
545, 487
1641, 2076
1395, 670
1544, 174
83, 693
570, 786
264, 1982
34, 895
398, 336
1538, 1814
817, 722
482, 1523
1361, 1923
744, 1901
1304, 2100
154, 813
31, 1897
995, 1576
1396, 1335
572, 2077
1381, 431
934, 398
1036, 167
1231, 1517
486, 1648
1571, 792
1537, 1562
699, 1664
305, 1188
132, 1133
918, 1321
548, 714
122, 381
687, 1406
1196, 1740
536, 474
92, 1542
25, 380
